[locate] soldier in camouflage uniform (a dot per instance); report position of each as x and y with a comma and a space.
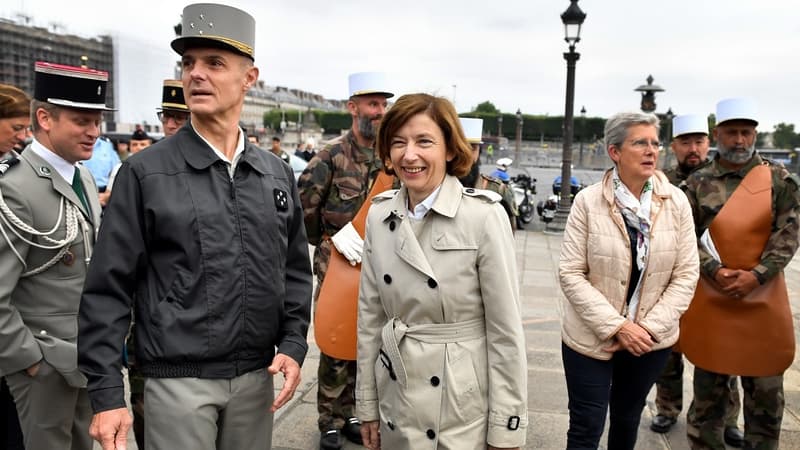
473, 129
332, 188
708, 189
690, 145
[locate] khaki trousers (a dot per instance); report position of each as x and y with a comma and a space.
209, 414
53, 414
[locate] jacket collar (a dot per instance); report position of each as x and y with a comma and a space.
200, 156
660, 186
718, 170
44, 169
446, 204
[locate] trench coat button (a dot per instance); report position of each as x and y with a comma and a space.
43, 332
392, 226
430, 434
622, 282
387, 279
434, 381
390, 425
432, 283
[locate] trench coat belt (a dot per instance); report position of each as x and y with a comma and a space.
432, 333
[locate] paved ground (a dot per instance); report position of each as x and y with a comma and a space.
537, 258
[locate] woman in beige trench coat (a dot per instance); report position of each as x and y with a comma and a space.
441, 350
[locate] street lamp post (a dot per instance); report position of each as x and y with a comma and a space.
668, 132
582, 136
572, 18
519, 138
499, 127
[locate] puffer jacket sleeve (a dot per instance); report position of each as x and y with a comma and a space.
505, 338
573, 269
371, 318
663, 318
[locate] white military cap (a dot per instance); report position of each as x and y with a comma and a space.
218, 26
737, 109
689, 124
504, 162
473, 129
365, 83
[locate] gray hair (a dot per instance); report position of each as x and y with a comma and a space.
616, 129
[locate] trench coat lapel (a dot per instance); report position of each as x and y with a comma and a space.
406, 245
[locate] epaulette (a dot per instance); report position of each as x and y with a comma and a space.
385, 195
492, 179
8, 162
492, 196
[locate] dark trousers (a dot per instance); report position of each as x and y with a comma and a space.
10, 431
619, 386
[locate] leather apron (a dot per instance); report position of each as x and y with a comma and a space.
335, 317
750, 336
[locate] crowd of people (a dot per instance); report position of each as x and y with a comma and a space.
195, 275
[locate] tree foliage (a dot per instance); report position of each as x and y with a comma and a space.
486, 107
784, 136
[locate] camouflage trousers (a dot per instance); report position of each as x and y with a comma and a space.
669, 392
336, 391
763, 403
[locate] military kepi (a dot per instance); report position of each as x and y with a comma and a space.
473, 129
689, 124
218, 26
69, 86
367, 83
172, 96
737, 109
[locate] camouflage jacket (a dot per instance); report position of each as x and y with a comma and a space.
505, 191
332, 188
676, 174
710, 187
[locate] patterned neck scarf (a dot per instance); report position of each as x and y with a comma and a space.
636, 213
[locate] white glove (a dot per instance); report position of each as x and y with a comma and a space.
349, 243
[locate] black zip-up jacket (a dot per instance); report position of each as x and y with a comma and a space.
217, 268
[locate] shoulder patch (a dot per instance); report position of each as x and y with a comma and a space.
492, 197
8, 162
385, 195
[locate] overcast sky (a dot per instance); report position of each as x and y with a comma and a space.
506, 51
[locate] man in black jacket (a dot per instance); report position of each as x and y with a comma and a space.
204, 240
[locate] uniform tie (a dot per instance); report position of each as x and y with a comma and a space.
77, 186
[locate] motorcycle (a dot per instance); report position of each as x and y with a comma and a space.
547, 208
524, 188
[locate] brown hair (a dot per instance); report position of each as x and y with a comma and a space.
53, 110
13, 102
443, 114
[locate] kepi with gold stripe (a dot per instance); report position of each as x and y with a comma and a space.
218, 26
172, 97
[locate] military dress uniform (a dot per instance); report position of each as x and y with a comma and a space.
332, 188
43, 259
708, 190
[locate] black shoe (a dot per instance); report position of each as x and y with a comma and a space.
352, 431
662, 424
330, 440
734, 437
